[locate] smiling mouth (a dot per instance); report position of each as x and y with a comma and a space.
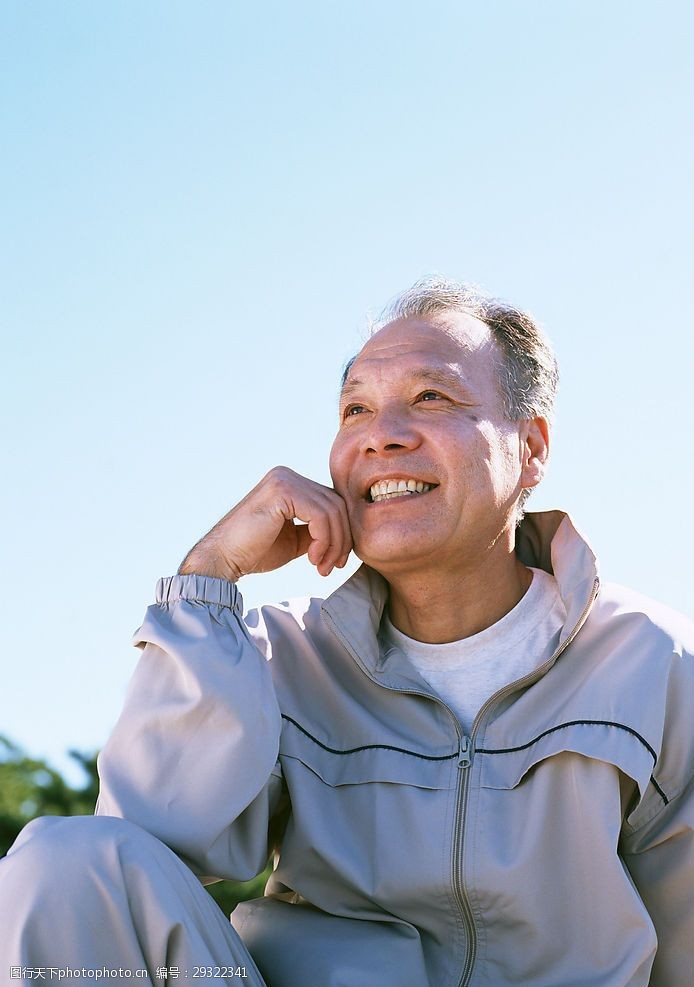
390, 489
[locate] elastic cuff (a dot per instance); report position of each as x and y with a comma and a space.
199, 589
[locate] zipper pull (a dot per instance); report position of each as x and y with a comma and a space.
464, 752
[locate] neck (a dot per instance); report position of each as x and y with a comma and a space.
438, 607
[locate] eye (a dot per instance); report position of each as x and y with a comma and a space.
429, 396
352, 409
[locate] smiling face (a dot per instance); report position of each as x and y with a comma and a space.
422, 408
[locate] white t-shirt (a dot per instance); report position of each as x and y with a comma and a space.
466, 673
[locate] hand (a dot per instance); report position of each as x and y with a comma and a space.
259, 534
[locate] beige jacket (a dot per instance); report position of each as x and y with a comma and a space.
552, 847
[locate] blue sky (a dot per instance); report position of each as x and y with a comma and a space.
202, 202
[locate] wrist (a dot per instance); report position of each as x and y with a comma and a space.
209, 563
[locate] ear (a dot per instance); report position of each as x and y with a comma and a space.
534, 449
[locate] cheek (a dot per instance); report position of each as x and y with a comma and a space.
505, 462
493, 457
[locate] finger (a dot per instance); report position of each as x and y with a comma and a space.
340, 545
328, 525
321, 535
336, 547
347, 544
303, 539
340, 533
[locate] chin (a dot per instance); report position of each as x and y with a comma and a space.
391, 556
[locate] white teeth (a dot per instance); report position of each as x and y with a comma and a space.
387, 489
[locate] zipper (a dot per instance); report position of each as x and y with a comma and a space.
466, 749
465, 752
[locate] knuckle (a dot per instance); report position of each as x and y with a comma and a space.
277, 475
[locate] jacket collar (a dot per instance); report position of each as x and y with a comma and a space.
547, 540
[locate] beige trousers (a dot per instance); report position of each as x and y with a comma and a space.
97, 900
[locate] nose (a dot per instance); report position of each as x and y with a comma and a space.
389, 431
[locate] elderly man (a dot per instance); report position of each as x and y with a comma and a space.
473, 760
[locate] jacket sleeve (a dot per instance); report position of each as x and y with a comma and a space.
659, 855
193, 758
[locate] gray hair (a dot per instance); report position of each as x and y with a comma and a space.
528, 372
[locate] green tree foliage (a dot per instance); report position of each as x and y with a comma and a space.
30, 788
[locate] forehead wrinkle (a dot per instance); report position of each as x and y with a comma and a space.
350, 385
444, 376
438, 376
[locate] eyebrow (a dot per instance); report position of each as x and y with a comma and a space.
446, 378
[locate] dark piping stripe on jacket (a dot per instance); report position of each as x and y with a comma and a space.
590, 723
370, 747
486, 750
